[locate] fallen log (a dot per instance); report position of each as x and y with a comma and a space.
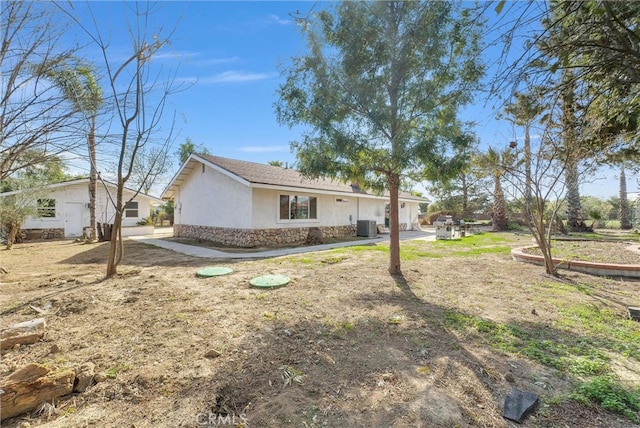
23, 333
27, 388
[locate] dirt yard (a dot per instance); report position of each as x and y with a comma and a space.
343, 345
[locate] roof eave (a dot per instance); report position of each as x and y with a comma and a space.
186, 168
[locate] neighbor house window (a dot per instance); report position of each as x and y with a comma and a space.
47, 208
131, 209
295, 207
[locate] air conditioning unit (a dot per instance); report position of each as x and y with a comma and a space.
366, 228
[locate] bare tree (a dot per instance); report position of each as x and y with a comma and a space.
138, 92
150, 166
550, 158
34, 117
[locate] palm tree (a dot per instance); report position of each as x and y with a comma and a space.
575, 221
495, 164
524, 112
77, 82
625, 218
569, 121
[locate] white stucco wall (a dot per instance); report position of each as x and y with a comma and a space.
338, 210
266, 210
76, 196
105, 213
371, 209
409, 213
211, 198
331, 212
208, 197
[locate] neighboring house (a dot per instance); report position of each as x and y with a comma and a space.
63, 210
247, 204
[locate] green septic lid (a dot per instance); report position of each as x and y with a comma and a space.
213, 271
270, 281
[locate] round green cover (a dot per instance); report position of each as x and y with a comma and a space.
270, 281
213, 271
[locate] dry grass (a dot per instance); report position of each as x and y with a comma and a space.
343, 345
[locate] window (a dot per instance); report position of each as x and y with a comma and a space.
47, 208
294, 207
131, 209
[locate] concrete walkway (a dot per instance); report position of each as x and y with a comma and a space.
195, 251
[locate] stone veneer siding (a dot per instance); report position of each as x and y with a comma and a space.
247, 238
42, 233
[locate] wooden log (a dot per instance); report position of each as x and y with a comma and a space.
24, 333
27, 388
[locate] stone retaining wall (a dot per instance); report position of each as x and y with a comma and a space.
247, 238
592, 268
32, 234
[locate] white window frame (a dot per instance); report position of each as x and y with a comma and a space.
128, 209
296, 220
42, 208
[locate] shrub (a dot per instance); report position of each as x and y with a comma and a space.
148, 221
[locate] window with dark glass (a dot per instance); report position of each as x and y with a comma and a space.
47, 208
296, 207
131, 209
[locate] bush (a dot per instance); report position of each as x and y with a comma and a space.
612, 224
432, 217
148, 221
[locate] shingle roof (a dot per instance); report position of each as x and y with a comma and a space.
257, 173
278, 176
77, 181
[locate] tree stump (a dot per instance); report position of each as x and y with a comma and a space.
314, 236
27, 388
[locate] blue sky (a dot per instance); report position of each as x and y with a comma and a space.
228, 52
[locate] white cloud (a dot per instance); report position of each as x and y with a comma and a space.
264, 149
215, 61
194, 58
174, 55
278, 20
233, 77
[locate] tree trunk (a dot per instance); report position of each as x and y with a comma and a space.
575, 222
93, 179
465, 197
27, 332
116, 247
527, 164
569, 130
30, 386
500, 220
537, 227
13, 232
625, 218
545, 248
394, 226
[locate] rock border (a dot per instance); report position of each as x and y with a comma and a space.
592, 268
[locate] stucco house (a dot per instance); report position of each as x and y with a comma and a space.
247, 204
63, 210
